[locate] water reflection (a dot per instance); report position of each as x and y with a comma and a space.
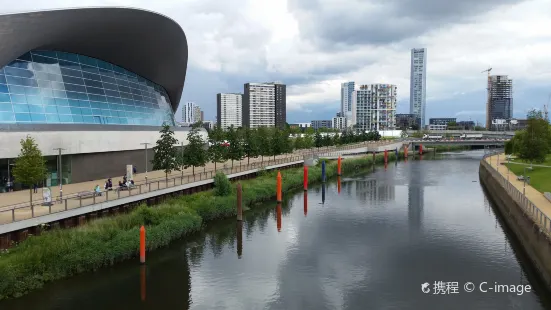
142, 282
305, 203
239, 239
323, 193
416, 199
278, 209
339, 185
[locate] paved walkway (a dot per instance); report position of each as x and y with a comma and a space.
536, 197
69, 190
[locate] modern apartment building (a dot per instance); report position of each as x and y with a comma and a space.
229, 108
500, 99
339, 122
317, 124
374, 107
197, 113
264, 105
346, 98
418, 83
442, 120
188, 113
407, 121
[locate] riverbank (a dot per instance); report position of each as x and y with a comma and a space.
58, 254
540, 177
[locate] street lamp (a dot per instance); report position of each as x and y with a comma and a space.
10, 184
59, 172
145, 167
524, 179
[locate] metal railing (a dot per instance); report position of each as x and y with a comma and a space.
26, 210
528, 207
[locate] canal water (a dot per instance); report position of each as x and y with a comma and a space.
366, 242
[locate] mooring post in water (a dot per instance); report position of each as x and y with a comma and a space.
420, 149
278, 187
373, 158
339, 166
305, 177
239, 239
396, 152
323, 171
142, 245
405, 152
278, 211
386, 157
142, 282
339, 185
305, 203
239, 202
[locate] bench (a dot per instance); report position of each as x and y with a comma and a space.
547, 195
86, 194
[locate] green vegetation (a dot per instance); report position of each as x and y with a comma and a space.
195, 154
540, 177
165, 152
30, 166
222, 185
58, 254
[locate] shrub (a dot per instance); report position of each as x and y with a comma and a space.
222, 186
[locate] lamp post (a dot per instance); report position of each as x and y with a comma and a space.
145, 167
10, 183
524, 179
182, 159
60, 172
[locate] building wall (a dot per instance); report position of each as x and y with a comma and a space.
259, 105
418, 83
280, 105
317, 124
339, 123
196, 114
346, 97
230, 110
375, 107
188, 113
500, 105
442, 120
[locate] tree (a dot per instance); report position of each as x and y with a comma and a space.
195, 154
299, 142
30, 166
217, 151
264, 138
534, 143
165, 152
252, 144
534, 114
277, 142
318, 139
235, 149
403, 134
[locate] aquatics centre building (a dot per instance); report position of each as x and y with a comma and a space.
96, 83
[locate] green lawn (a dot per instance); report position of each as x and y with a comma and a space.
540, 177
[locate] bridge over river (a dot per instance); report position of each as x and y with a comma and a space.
371, 240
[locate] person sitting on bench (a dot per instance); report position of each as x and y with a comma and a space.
97, 191
122, 185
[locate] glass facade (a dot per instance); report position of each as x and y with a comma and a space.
56, 87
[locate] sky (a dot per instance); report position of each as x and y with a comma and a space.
315, 45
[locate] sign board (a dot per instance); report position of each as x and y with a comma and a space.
499, 122
129, 172
47, 195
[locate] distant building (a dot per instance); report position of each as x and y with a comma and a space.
500, 99
197, 114
301, 126
346, 98
406, 121
374, 107
208, 125
264, 105
317, 124
229, 108
442, 120
418, 83
437, 127
188, 110
467, 125
339, 123
202, 116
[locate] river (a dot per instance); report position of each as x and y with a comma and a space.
368, 243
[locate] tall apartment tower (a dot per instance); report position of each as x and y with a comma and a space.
229, 108
500, 103
418, 83
188, 112
265, 105
197, 114
374, 107
346, 98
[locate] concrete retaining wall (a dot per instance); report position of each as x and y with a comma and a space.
535, 243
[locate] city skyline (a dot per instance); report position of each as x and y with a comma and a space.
303, 47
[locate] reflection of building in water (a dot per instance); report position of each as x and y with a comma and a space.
374, 190
416, 193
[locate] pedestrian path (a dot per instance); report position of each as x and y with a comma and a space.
537, 198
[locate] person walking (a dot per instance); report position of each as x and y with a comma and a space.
35, 187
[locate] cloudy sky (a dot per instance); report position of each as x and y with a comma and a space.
314, 45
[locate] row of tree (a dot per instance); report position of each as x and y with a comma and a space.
532, 144
237, 144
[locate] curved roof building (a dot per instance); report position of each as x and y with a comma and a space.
89, 81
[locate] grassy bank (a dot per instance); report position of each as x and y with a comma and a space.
59, 254
540, 177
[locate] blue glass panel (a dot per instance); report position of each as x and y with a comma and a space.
68, 56
36, 108
70, 72
96, 105
65, 119
113, 99
18, 98
47, 100
21, 108
5, 106
96, 91
88, 119
26, 56
74, 95
73, 80
44, 84
97, 98
123, 83
51, 109
104, 72
97, 119
93, 83
22, 117
88, 60
105, 112
55, 77
121, 113
20, 64
7, 117
96, 112
84, 103
60, 93
105, 65
13, 80
75, 88
68, 65
3, 79
32, 91
52, 118
77, 119
75, 111
124, 121
14, 89
42, 59
61, 102
18, 72
46, 92
34, 100
110, 86
3, 88
74, 103
58, 86
108, 80
125, 89
38, 118
46, 53
126, 96
63, 110
86, 68
86, 111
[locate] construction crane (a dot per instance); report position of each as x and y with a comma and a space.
488, 117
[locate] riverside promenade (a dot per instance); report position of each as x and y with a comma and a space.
534, 196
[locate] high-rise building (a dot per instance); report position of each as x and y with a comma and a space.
197, 114
346, 98
202, 116
418, 83
500, 103
374, 107
188, 111
317, 124
408, 121
229, 108
265, 105
339, 122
